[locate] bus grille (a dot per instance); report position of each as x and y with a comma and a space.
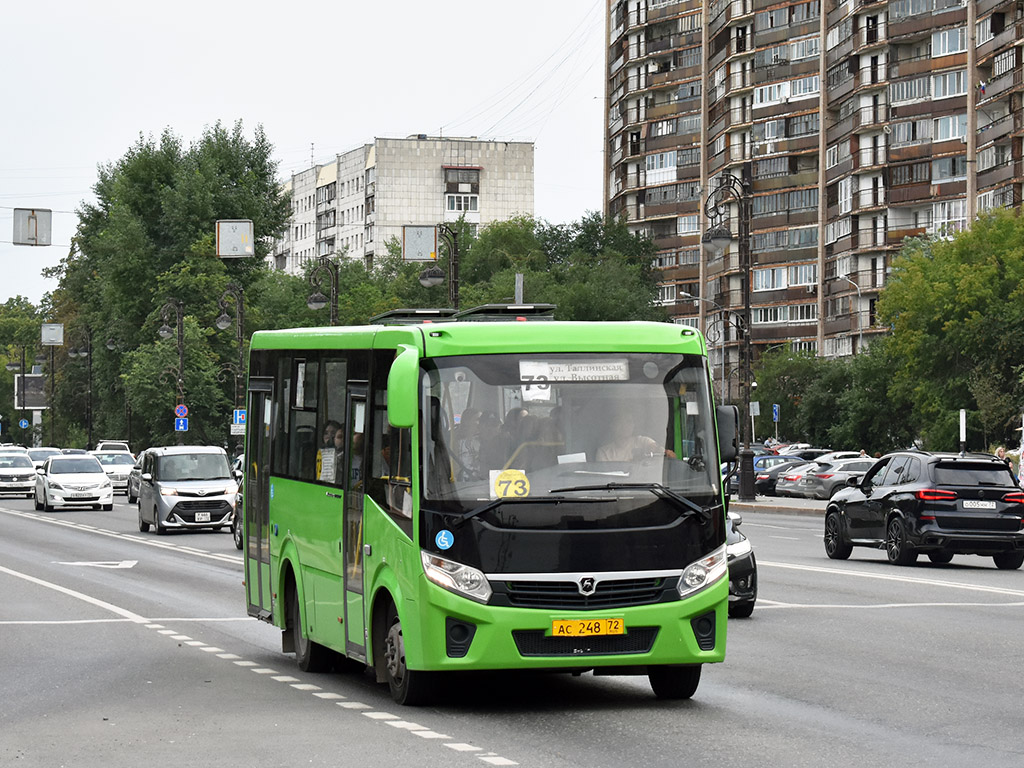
565, 595
533, 642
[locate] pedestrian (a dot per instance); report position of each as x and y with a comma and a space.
1001, 454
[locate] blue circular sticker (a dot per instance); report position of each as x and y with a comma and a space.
444, 539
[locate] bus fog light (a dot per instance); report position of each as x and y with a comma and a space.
703, 572
456, 577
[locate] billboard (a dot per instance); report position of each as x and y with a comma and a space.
30, 392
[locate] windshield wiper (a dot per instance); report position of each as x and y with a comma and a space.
521, 500
657, 489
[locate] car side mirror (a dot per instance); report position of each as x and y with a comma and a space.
853, 481
237, 474
148, 477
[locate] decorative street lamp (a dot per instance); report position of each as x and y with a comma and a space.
234, 290
733, 189
433, 275
86, 352
317, 300
165, 331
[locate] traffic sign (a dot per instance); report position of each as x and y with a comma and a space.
775, 411
181, 425
23, 423
181, 410
239, 417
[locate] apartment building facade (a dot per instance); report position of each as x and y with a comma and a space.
851, 124
365, 196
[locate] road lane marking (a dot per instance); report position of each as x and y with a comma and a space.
770, 604
893, 577
124, 613
787, 538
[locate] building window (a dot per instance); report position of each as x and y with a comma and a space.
910, 90
688, 225
949, 216
803, 274
949, 127
661, 167
949, 41
949, 169
805, 86
770, 279
462, 203
462, 175
949, 84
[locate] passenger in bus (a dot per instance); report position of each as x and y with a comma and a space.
624, 444
467, 444
330, 429
492, 448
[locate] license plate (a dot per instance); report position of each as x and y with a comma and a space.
77, 495
202, 517
975, 504
587, 627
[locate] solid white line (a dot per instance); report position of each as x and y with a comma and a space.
893, 577
769, 604
123, 612
787, 538
43, 622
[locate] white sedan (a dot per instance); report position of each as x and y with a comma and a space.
73, 480
17, 474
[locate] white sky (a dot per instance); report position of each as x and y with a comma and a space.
82, 81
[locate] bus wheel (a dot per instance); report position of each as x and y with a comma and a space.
310, 655
674, 682
408, 686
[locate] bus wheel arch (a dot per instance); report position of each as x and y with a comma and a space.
409, 687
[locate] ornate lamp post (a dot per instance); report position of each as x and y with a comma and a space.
86, 352
434, 275
175, 306
317, 300
733, 189
234, 290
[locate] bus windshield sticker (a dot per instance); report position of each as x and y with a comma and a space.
509, 484
444, 539
692, 408
612, 369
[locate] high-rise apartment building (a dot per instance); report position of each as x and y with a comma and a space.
855, 124
355, 203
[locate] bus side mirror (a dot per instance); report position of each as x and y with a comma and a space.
728, 432
403, 384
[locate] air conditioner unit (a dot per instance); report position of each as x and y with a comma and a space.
963, 139
812, 288
886, 129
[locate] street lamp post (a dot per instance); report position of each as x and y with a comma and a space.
733, 189
860, 326
234, 290
317, 300
112, 345
733, 321
175, 306
434, 275
86, 352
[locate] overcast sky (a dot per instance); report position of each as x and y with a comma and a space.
82, 81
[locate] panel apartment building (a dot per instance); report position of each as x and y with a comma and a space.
355, 203
857, 123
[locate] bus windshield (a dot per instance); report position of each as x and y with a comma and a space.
533, 426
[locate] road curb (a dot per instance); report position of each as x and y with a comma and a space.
775, 507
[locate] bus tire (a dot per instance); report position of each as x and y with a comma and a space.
674, 682
310, 655
409, 687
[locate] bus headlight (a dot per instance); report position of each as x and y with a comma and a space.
703, 572
456, 577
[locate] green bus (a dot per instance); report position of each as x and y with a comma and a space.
459, 495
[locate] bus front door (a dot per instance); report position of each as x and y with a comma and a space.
357, 470
256, 494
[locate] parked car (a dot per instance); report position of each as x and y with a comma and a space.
742, 569
17, 474
73, 481
828, 478
74, 451
788, 480
938, 504
117, 465
237, 528
39, 455
765, 480
185, 487
762, 463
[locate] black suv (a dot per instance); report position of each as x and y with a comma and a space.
939, 504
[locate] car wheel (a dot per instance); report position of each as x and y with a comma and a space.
38, 503
940, 558
310, 655
408, 686
143, 525
132, 499
740, 610
108, 507
236, 532
47, 506
897, 548
1008, 561
835, 547
160, 530
674, 682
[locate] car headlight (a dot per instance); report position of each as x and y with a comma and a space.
105, 483
703, 573
168, 492
456, 577
56, 486
739, 549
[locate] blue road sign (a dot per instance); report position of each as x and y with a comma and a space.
181, 411
239, 417
23, 423
775, 411
181, 425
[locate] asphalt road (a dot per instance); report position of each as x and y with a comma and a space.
123, 649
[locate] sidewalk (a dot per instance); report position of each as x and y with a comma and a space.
779, 505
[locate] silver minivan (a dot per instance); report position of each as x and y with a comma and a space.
186, 486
